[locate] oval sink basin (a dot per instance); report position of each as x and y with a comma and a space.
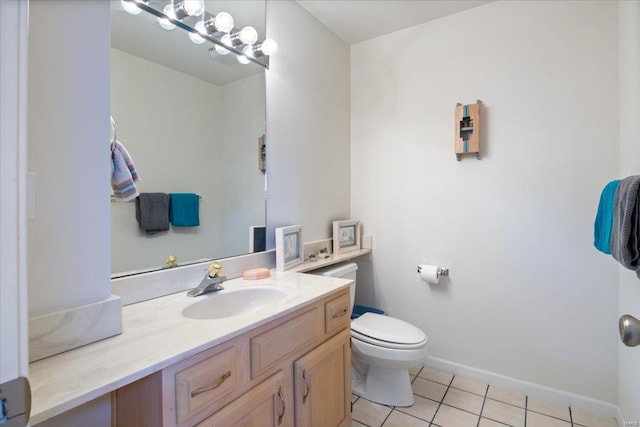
233, 302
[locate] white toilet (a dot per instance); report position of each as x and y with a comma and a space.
383, 349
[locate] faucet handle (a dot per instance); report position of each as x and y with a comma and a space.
214, 269
172, 261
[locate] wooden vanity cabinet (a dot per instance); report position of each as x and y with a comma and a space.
323, 384
292, 371
262, 406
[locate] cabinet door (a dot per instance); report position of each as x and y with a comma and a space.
323, 384
262, 406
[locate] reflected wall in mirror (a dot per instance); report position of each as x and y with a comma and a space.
192, 124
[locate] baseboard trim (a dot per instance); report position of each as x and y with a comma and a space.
528, 388
57, 332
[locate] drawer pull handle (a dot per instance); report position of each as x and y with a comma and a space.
307, 388
340, 313
281, 397
215, 385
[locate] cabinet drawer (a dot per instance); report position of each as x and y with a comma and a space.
336, 313
270, 347
204, 382
263, 405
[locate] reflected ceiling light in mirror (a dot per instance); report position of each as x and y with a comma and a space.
225, 39
130, 6
243, 59
249, 52
196, 37
166, 23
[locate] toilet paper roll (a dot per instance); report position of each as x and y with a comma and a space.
429, 273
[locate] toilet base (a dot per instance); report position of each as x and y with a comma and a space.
388, 386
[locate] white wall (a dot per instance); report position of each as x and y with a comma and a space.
528, 297
308, 101
68, 134
165, 133
242, 185
13, 164
629, 37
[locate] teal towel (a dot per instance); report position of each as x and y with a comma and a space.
604, 218
184, 210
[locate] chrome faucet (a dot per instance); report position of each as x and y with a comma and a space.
211, 282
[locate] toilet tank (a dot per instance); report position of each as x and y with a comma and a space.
344, 271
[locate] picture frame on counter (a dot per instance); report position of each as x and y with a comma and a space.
346, 236
289, 250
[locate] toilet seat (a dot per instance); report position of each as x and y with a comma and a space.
388, 332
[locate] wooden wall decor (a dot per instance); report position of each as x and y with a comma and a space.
467, 130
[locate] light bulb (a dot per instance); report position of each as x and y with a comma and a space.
196, 37
193, 7
130, 6
223, 22
226, 39
269, 47
248, 51
248, 35
164, 22
243, 60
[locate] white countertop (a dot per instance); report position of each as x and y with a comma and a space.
155, 335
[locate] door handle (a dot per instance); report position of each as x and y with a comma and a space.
629, 328
307, 389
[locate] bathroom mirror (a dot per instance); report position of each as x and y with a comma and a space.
192, 123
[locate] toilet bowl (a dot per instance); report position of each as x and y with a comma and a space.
383, 349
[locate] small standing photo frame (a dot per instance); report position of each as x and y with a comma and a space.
289, 251
346, 236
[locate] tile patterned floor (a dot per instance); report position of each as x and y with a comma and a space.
447, 400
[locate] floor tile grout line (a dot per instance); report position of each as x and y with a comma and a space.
485, 396
571, 416
486, 393
441, 400
387, 417
570, 420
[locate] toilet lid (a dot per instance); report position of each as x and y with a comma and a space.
387, 331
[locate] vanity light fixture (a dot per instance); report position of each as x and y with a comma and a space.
166, 22
191, 16
247, 35
226, 40
267, 47
222, 22
248, 53
196, 37
243, 59
130, 6
184, 8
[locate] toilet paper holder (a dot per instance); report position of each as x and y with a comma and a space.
441, 271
